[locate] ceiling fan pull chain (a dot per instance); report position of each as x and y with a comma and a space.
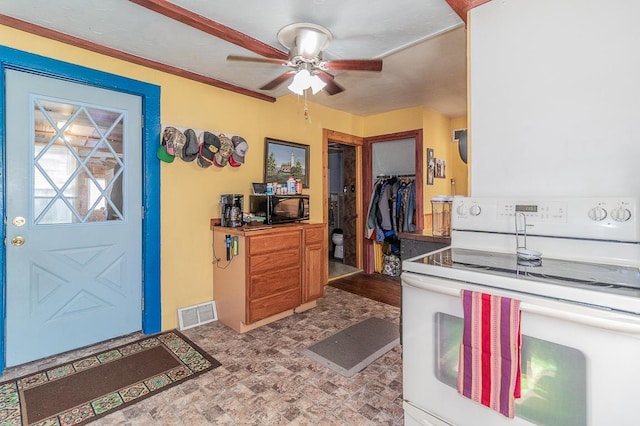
307, 117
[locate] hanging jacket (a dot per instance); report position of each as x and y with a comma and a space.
410, 208
371, 213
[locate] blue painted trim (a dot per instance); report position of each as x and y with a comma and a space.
150, 94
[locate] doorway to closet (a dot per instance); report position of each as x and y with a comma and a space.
391, 161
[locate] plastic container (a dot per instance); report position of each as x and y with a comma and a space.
291, 185
441, 216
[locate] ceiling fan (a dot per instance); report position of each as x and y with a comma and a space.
306, 43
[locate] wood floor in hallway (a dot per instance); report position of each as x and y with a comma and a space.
381, 288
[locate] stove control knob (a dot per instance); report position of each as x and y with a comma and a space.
597, 213
621, 214
461, 210
475, 210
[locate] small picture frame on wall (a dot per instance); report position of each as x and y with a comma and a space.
440, 168
283, 159
431, 166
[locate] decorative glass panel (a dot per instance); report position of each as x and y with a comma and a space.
78, 162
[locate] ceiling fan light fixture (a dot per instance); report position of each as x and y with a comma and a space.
301, 81
317, 84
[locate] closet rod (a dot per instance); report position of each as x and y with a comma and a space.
399, 176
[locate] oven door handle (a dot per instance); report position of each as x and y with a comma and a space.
608, 320
622, 325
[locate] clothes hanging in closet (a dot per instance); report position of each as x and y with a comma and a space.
391, 209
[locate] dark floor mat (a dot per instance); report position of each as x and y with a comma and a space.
352, 349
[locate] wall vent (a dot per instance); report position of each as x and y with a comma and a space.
193, 316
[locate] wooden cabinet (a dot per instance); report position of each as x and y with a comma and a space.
277, 271
273, 274
314, 274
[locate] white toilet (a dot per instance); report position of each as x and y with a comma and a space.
338, 240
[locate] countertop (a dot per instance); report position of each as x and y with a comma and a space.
425, 235
257, 229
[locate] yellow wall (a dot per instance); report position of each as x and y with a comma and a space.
459, 169
393, 122
189, 194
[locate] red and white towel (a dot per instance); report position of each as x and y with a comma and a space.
489, 369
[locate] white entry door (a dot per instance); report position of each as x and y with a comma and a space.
73, 225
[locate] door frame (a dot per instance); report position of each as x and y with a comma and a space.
150, 95
367, 154
329, 136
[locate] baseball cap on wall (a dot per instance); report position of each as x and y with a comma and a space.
226, 148
191, 147
170, 137
209, 147
240, 148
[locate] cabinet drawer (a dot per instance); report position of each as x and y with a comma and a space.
274, 242
267, 306
274, 261
313, 235
269, 283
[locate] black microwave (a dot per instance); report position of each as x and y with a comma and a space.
279, 208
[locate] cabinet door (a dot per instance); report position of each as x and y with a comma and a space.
273, 274
315, 263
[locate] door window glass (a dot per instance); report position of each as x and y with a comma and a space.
77, 164
553, 377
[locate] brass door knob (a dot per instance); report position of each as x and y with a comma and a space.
17, 241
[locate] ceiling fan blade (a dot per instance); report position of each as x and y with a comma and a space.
352, 65
278, 80
332, 87
256, 59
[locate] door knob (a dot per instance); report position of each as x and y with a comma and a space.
17, 241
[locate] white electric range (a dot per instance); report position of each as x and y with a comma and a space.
578, 279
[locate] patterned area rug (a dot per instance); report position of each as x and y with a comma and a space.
90, 387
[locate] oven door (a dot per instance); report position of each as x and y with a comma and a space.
578, 363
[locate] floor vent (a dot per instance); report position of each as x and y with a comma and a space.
197, 315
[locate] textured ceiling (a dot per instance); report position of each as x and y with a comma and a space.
422, 43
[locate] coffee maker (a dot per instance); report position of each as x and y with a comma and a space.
231, 210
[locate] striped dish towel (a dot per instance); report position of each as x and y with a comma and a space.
489, 366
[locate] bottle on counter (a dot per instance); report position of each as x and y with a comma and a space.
269, 188
291, 185
298, 186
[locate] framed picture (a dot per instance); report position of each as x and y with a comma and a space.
283, 159
431, 166
440, 168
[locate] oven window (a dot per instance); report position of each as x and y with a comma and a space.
553, 376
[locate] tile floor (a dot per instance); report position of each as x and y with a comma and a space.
265, 380
339, 269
